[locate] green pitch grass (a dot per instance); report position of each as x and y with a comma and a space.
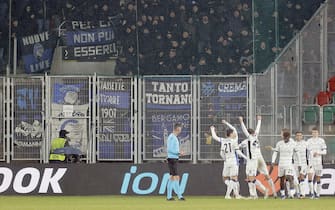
157, 203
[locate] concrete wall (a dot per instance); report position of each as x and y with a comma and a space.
62, 67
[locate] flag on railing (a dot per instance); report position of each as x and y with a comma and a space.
86, 41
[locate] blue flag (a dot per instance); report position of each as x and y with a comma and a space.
37, 51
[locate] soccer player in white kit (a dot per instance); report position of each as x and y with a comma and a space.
229, 149
286, 149
255, 161
300, 169
316, 147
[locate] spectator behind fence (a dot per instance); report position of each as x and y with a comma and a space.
223, 27
62, 151
3, 45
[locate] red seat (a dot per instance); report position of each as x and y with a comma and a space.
331, 84
323, 98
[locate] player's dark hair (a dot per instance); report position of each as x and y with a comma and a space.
315, 129
229, 132
285, 130
251, 131
177, 125
298, 132
286, 133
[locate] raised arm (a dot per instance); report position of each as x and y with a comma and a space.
228, 124
214, 136
231, 127
258, 127
244, 129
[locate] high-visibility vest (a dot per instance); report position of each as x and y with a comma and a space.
57, 143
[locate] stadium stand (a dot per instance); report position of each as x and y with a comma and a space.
193, 37
173, 37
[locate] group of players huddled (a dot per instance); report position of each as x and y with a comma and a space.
297, 159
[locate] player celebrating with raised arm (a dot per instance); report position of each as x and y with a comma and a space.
173, 154
255, 160
316, 147
229, 149
300, 169
286, 149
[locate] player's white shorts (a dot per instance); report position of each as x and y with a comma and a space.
315, 169
230, 170
251, 167
287, 170
255, 165
303, 170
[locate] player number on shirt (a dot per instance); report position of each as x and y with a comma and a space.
227, 147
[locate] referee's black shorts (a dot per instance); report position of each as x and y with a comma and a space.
173, 166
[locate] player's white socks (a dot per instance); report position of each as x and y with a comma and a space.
238, 187
292, 192
318, 188
302, 187
272, 185
260, 185
296, 185
282, 193
311, 187
229, 184
288, 188
252, 189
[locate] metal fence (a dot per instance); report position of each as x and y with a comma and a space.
285, 94
69, 108
2, 117
166, 100
27, 113
129, 118
115, 119
220, 98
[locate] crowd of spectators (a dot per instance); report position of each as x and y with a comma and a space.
171, 37
3, 33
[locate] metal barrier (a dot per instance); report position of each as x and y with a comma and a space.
221, 97
166, 100
115, 118
328, 120
69, 108
285, 94
27, 113
129, 118
264, 100
2, 117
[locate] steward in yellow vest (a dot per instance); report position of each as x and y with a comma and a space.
59, 143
